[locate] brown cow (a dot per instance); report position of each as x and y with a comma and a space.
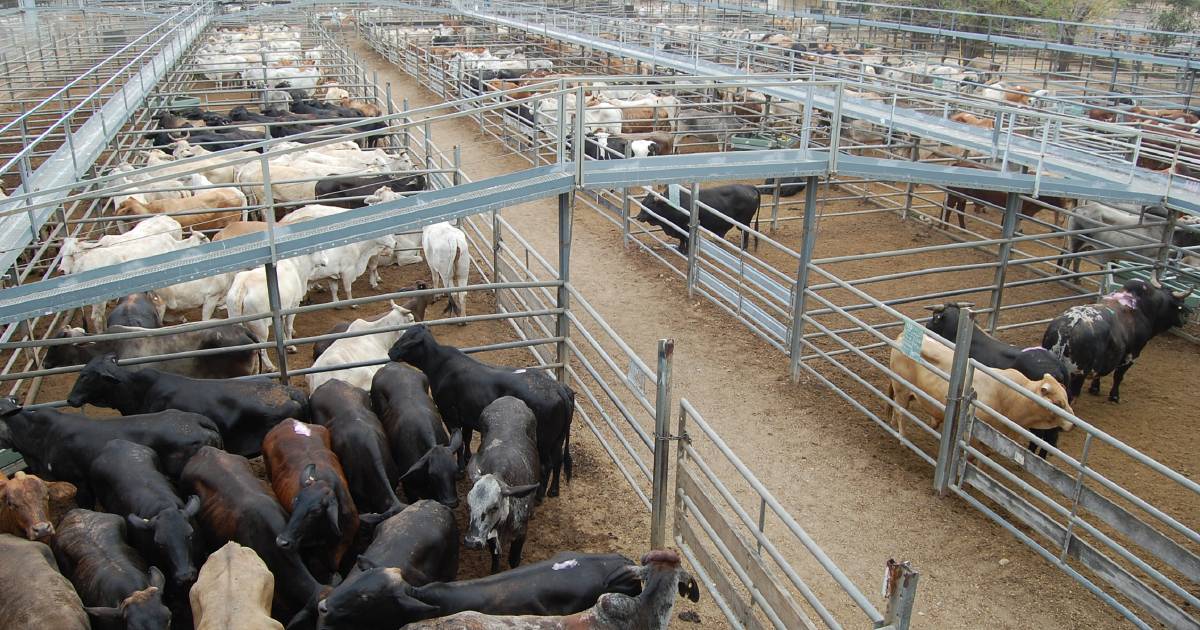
645, 119
973, 120
30, 507
956, 200
308, 480
239, 228
33, 594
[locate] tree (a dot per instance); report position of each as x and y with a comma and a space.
1069, 13
1177, 16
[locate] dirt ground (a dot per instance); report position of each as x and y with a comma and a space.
859, 494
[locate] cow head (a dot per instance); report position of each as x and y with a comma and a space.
142, 610
432, 476
413, 346
26, 500
1166, 308
373, 598
491, 502
1054, 393
68, 354
314, 509
97, 382
173, 533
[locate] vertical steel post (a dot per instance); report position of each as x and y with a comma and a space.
1164, 250
943, 472
662, 440
1012, 211
693, 237
908, 188
801, 286
900, 590
565, 205
277, 320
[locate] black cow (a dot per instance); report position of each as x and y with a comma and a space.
788, 186
462, 387
418, 440
226, 139
358, 439
244, 410
1034, 362
236, 505
229, 364
116, 589
348, 191
737, 201
504, 474
61, 446
1106, 338
128, 482
563, 585
138, 309
415, 547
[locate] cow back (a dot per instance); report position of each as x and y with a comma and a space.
422, 541
33, 594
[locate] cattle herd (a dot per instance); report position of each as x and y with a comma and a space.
353, 528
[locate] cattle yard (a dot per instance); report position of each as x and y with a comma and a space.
885, 185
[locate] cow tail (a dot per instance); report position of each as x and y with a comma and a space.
567, 464
452, 281
757, 219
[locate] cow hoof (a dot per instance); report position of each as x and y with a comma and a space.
353, 306
292, 350
1114, 399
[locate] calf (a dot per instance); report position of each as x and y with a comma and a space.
462, 387
418, 440
128, 482
350, 191
308, 480
233, 591
111, 579
1096, 340
229, 364
421, 541
412, 548
33, 594
737, 201
29, 506
138, 309
449, 258
61, 445
243, 410
505, 474
650, 610
359, 349
358, 440
235, 505
563, 585
1007, 401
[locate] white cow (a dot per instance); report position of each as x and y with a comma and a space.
153, 236
408, 244
359, 349
248, 296
449, 259
346, 262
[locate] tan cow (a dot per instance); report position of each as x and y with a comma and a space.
240, 228
204, 200
234, 590
991, 392
30, 507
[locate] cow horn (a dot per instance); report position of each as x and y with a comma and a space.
1155, 282
1179, 295
935, 308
